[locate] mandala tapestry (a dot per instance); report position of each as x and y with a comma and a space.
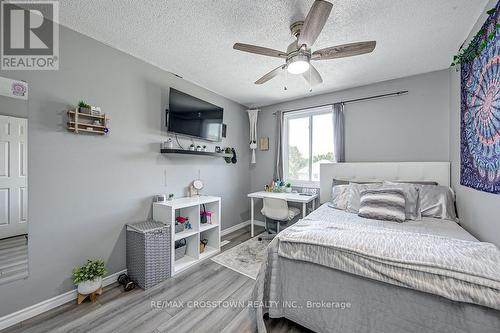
480, 113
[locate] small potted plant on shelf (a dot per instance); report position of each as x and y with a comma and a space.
84, 107
192, 147
204, 147
88, 278
288, 187
198, 148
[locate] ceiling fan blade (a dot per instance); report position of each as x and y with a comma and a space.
312, 76
259, 50
314, 22
270, 75
345, 50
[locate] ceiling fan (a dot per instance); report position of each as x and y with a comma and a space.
298, 55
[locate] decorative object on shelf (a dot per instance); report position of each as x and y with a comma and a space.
87, 119
180, 248
234, 160
169, 144
198, 148
480, 109
252, 116
84, 107
170, 197
180, 223
488, 32
196, 186
203, 243
192, 147
126, 282
95, 110
264, 143
218, 149
228, 150
288, 188
205, 216
88, 279
204, 148
160, 198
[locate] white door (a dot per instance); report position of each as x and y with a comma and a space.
13, 170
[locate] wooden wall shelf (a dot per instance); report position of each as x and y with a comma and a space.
86, 123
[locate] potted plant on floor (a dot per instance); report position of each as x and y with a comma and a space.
88, 278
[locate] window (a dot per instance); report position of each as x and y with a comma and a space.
307, 142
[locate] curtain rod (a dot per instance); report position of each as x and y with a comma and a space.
398, 93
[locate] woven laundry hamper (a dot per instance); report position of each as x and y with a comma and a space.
148, 253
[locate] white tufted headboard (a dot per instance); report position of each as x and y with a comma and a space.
379, 171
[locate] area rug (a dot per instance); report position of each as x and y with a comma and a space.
244, 258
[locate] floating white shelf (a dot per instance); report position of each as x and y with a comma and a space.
185, 234
204, 227
191, 207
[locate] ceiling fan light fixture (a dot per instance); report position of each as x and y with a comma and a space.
298, 64
298, 67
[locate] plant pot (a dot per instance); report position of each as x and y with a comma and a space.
288, 189
88, 287
84, 110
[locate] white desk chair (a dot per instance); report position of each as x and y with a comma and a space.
278, 210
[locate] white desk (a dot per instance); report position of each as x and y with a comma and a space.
290, 197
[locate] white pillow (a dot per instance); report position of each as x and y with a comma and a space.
438, 202
411, 192
340, 196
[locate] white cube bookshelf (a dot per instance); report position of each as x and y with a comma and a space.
166, 212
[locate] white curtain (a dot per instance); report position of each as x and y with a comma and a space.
338, 132
252, 116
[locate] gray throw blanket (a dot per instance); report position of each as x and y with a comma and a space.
460, 270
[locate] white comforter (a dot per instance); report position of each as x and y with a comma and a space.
422, 255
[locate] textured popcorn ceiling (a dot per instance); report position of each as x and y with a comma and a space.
194, 38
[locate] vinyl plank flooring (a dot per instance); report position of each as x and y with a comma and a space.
119, 311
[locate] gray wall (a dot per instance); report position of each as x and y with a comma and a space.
84, 189
479, 211
412, 127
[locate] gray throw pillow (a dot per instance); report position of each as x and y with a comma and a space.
340, 196
387, 204
355, 195
411, 192
438, 202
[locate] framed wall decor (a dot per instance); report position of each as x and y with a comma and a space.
264, 143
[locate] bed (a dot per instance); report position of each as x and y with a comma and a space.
336, 272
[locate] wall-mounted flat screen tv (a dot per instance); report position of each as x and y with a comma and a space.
190, 116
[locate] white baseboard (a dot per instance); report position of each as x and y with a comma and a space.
36, 309
239, 226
